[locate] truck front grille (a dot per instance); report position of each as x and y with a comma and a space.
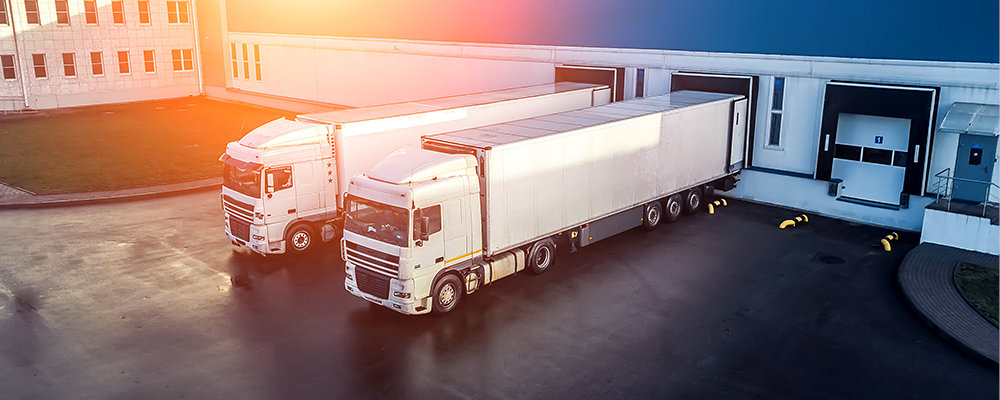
240, 214
374, 260
239, 228
372, 283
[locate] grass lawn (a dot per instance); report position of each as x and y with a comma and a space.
979, 286
122, 146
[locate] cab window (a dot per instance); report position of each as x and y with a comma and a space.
433, 215
278, 179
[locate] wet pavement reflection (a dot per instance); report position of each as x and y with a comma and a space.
137, 300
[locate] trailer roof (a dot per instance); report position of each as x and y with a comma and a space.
516, 131
443, 103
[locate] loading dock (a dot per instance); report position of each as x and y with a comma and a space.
875, 141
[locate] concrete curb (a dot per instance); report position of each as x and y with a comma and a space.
73, 199
925, 279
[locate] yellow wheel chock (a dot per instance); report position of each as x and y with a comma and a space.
887, 238
791, 222
712, 205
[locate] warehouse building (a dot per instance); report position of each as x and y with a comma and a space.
860, 110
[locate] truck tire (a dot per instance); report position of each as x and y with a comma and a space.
692, 201
541, 256
652, 215
300, 238
674, 208
447, 293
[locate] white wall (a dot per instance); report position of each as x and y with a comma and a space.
317, 70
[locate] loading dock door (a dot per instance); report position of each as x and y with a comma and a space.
745, 85
613, 77
863, 104
870, 157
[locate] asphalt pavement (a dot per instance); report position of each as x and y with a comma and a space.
133, 300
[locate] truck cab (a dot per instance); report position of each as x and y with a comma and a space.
412, 231
278, 182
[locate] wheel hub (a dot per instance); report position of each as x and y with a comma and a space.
447, 295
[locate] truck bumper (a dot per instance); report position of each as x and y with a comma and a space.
257, 243
419, 306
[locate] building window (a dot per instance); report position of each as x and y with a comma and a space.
640, 82
62, 12
148, 61
31, 11
7, 63
118, 12
246, 63
3, 13
777, 100
256, 60
123, 67
96, 63
143, 12
233, 56
39, 62
90, 12
182, 59
69, 64
177, 12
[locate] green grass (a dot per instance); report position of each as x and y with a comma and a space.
122, 146
979, 286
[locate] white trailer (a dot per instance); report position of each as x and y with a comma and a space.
283, 180
473, 206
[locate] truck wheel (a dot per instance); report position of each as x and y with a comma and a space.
674, 208
300, 238
542, 255
651, 218
447, 293
692, 201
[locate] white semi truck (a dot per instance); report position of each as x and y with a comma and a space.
428, 225
284, 181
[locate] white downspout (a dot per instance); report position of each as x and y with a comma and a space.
197, 47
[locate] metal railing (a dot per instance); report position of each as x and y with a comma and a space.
945, 183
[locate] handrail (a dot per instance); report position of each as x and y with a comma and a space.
945, 184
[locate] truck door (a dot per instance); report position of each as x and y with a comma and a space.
279, 202
432, 243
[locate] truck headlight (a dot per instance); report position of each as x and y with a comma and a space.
258, 237
402, 295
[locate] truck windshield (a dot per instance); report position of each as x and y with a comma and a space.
243, 181
378, 221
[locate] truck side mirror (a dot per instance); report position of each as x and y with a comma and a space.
269, 187
425, 223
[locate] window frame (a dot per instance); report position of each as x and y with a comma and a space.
98, 64
4, 15
62, 13
124, 63
178, 12
120, 13
35, 66
182, 57
88, 12
148, 20
4, 67
150, 62
256, 61
71, 66
235, 59
775, 120
28, 13
246, 62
